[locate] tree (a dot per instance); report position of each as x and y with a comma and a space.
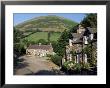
90, 50
90, 20
62, 42
18, 44
49, 33
54, 45
17, 35
20, 47
87, 50
26, 43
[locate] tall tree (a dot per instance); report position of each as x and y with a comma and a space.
90, 20
62, 42
17, 35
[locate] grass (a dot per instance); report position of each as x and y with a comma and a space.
54, 36
43, 35
36, 36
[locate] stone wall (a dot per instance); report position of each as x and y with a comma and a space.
38, 52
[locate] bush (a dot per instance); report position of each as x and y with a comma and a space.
49, 55
78, 67
86, 66
56, 59
68, 65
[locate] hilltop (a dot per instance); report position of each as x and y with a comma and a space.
46, 23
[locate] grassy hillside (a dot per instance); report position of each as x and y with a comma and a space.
39, 27
43, 35
46, 23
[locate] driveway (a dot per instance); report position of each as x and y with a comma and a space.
32, 65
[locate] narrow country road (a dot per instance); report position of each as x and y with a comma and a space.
32, 65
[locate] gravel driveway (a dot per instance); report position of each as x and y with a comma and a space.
32, 65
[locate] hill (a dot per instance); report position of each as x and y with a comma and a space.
43, 35
46, 23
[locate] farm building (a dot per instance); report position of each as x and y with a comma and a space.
39, 50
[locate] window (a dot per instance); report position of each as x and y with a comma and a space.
91, 36
74, 39
85, 40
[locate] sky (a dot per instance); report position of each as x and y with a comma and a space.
21, 17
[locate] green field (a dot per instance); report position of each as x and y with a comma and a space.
54, 36
43, 35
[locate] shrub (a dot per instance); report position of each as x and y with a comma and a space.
56, 59
86, 66
68, 65
49, 55
78, 67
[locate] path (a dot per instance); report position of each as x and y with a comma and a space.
32, 65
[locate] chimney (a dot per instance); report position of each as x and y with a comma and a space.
39, 44
50, 43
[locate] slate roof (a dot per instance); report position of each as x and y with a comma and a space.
77, 41
92, 30
44, 47
77, 35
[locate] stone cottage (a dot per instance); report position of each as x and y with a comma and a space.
79, 41
39, 50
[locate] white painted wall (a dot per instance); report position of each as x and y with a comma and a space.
91, 36
70, 42
85, 40
85, 58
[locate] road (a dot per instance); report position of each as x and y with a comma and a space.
32, 65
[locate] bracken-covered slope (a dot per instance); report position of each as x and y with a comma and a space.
46, 23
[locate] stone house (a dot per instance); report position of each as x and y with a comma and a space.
39, 50
79, 41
